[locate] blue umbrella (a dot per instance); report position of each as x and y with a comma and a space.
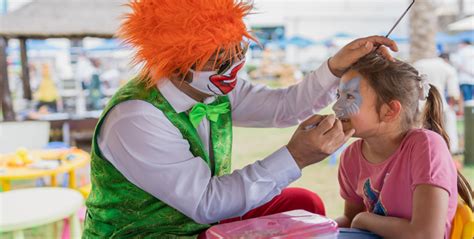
330, 40
443, 38
254, 45
399, 38
467, 35
39, 45
300, 41
278, 43
108, 45
343, 35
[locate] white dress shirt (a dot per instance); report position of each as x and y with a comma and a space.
464, 62
151, 153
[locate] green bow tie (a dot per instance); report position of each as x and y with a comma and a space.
212, 112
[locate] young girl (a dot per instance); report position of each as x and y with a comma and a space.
398, 180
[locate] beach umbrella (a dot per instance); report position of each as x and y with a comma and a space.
444, 38
399, 38
35, 45
108, 45
300, 41
466, 36
466, 24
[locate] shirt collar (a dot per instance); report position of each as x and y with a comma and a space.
178, 99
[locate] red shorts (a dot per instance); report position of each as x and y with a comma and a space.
289, 199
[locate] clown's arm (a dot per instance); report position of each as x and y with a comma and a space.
161, 164
256, 105
260, 106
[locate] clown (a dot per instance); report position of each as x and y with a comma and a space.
162, 148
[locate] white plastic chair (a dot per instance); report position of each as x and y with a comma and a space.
27, 208
28, 134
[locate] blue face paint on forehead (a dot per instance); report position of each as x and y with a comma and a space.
350, 100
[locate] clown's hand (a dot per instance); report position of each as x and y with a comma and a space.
358, 48
316, 138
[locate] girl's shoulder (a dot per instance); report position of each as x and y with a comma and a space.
424, 137
354, 147
426, 147
353, 151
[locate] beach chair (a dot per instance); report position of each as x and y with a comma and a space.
463, 222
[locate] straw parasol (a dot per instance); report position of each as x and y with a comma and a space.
64, 19
73, 19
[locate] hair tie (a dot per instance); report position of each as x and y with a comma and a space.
424, 87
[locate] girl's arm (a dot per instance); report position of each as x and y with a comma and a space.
351, 209
430, 209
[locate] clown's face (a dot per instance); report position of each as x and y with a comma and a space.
215, 83
356, 105
220, 79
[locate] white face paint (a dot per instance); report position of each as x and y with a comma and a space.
349, 100
212, 83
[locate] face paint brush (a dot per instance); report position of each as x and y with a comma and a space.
396, 23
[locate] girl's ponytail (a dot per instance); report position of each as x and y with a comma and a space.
465, 190
433, 120
433, 113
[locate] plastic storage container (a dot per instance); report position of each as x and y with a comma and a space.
292, 224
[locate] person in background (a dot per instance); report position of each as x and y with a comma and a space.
95, 87
464, 62
444, 77
456, 104
47, 93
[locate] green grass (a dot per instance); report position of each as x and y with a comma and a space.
251, 145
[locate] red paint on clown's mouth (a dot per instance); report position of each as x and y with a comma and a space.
226, 83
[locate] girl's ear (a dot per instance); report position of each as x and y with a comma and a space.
390, 112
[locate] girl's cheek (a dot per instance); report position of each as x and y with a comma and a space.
360, 122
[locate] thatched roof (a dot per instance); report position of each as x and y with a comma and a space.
64, 18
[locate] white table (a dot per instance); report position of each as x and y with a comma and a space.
26, 208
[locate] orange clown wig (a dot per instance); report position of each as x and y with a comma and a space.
171, 36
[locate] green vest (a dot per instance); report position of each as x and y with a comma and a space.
119, 209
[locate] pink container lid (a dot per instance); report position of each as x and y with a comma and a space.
291, 224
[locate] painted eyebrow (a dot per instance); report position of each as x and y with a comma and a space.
352, 82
